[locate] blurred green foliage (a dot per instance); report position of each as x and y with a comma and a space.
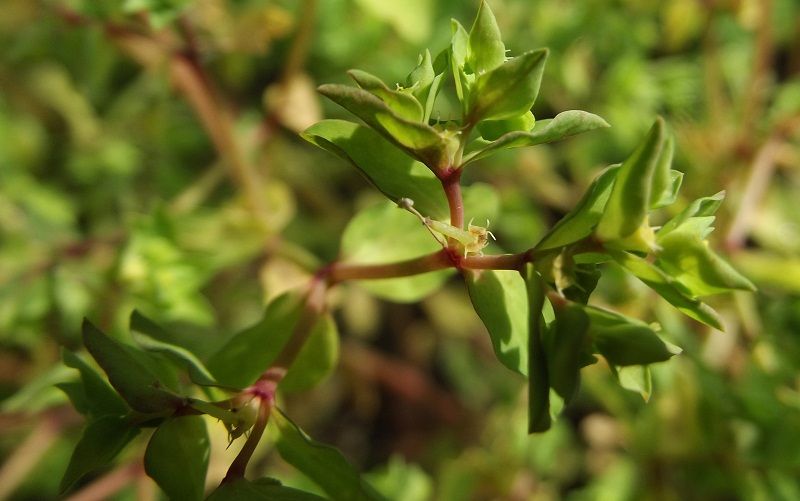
115, 196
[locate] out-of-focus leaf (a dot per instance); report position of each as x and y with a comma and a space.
580, 221
486, 49
129, 371
626, 341
636, 378
404, 105
39, 393
662, 183
384, 234
538, 384
177, 457
669, 288
624, 223
770, 270
100, 443
499, 298
264, 489
568, 345
508, 90
101, 398
670, 193
565, 124
402, 481
316, 359
413, 21
419, 140
393, 173
323, 464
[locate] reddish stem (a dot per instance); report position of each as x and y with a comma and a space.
239, 465
451, 182
438, 260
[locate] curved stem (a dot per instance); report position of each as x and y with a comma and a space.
239, 465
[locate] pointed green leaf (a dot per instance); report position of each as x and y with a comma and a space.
636, 378
177, 457
264, 489
486, 50
670, 193
568, 346
404, 105
663, 185
500, 299
626, 341
624, 223
421, 141
581, 221
565, 124
102, 400
493, 129
700, 208
538, 384
153, 340
688, 258
249, 353
459, 46
424, 83
101, 441
130, 372
669, 288
323, 464
384, 233
316, 359
392, 172
508, 90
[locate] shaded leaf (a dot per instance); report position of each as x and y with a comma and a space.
316, 359
101, 441
101, 398
636, 378
323, 464
129, 371
568, 345
538, 384
626, 341
266, 489
500, 299
565, 124
392, 172
177, 457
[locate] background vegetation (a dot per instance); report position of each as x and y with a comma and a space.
149, 159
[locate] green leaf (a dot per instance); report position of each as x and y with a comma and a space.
581, 221
624, 223
424, 83
250, 352
565, 124
40, 393
389, 170
508, 90
636, 378
323, 464
316, 359
153, 340
421, 141
130, 372
626, 341
100, 443
538, 381
670, 193
266, 489
669, 288
567, 344
459, 46
500, 299
689, 259
493, 129
102, 400
664, 190
702, 207
177, 457
486, 50
385, 233
404, 105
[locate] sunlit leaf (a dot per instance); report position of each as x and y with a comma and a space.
500, 299
565, 124
404, 105
486, 49
493, 129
